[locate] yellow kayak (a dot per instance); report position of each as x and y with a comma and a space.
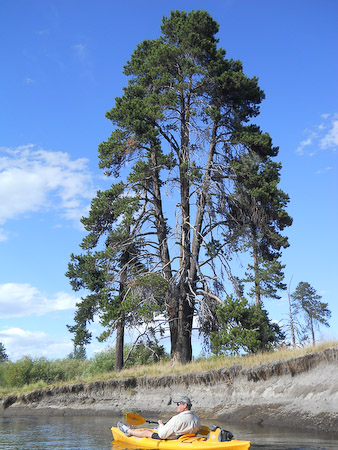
192, 442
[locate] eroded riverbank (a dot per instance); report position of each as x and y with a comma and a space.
300, 392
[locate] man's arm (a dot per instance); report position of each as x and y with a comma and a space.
167, 430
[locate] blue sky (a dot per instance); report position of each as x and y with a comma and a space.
62, 65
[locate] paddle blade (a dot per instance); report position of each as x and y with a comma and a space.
135, 419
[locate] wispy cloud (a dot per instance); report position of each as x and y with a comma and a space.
303, 144
29, 80
22, 300
321, 171
330, 140
42, 32
83, 60
33, 179
323, 136
80, 51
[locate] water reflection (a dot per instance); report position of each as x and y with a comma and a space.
93, 433
55, 433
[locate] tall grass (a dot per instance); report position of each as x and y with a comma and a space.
27, 374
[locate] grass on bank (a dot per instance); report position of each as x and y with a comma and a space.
45, 373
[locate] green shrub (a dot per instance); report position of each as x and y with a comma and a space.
47, 371
101, 363
73, 368
17, 374
3, 367
30, 371
145, 354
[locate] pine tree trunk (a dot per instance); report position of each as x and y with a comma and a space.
257, 285
312, 332
183, 347
119, 345
172, 310
292, 328
120, 323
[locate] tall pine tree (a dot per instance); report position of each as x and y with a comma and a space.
181, 121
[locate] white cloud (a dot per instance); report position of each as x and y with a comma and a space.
22, 300
320, 137
19, 343
303, 144
3, 235
330, 140
33, 179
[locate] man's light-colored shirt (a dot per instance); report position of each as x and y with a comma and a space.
185, 422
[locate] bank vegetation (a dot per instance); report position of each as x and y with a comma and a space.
29, 374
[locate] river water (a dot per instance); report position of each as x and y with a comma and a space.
93, 433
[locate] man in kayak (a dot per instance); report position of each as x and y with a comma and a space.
185, 422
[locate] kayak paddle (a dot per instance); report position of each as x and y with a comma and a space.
136, 419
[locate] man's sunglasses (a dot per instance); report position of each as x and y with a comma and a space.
179, 403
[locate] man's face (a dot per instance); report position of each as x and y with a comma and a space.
180, 407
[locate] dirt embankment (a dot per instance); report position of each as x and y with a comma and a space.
300, 392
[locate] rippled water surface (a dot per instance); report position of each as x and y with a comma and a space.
93, 433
